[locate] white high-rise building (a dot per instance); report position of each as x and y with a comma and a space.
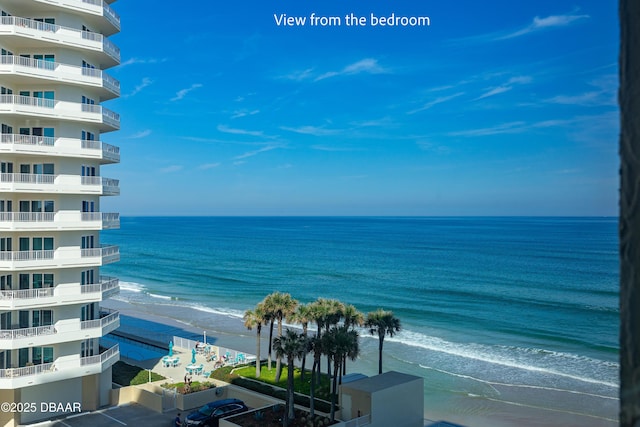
52, 83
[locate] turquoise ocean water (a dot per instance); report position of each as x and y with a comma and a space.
511, 321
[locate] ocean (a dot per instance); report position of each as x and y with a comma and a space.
510, 321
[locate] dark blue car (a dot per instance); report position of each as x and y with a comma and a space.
210, 413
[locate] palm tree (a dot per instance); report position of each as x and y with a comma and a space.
334, 313
382, 323
303, 315
352, 317
319, 314
281, 306
315, 345
292, 345
339, 343
254, 319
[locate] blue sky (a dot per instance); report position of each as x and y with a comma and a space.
497, 108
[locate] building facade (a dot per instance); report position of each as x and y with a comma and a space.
52, 85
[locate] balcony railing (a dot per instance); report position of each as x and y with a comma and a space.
26, 255
63, 33
12, 138
27, 216
26, 294
105, 251
26, 371
45, 368
108, 319
106, 284
100, 358
64, 109
109, 220
12, 334
27, 178
56, 70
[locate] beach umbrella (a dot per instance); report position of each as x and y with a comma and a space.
170, 348
193, 355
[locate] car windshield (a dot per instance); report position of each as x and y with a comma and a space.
206, 410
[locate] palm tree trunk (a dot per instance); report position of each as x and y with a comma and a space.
304, 354
381, 337
290, 397
258, 353
279, 359
312, 390
336, 366
270, 342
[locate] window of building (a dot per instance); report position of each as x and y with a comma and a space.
41, 318
38, 168
87, 277
6, 282
41, 355
5, 244
88, 136
88, 242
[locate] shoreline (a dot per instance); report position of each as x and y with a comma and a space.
145, 321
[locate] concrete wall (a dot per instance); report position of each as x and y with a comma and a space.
399, 406
59, 392
8, 419
146, 398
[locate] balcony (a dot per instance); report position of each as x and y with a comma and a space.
65, 330
62, 294
16, 67
108, 322
61, 184
63, 257
62, 147
51, 33
107, 254
61, 220
60, 369
62, 110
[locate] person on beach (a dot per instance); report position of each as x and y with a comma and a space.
177, 422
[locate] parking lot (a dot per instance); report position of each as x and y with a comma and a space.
126, 415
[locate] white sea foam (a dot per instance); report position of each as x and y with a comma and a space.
221, 311
159, 296
497, 383
131, 287
518, 358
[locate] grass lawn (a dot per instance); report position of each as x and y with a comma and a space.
126, 374
303, 387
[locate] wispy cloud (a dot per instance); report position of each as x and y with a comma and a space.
140, 134
256, 152
172, 168
146, 81
518, 127
504, 87
131, 61
243, 113
436, 101
536, 25
311, 130
209, 166
334, 148
552, 21
364, 66
432, 147
511, 127
227, 129
299, 75
182, 93
604, 93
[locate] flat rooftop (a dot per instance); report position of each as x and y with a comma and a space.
380, 382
